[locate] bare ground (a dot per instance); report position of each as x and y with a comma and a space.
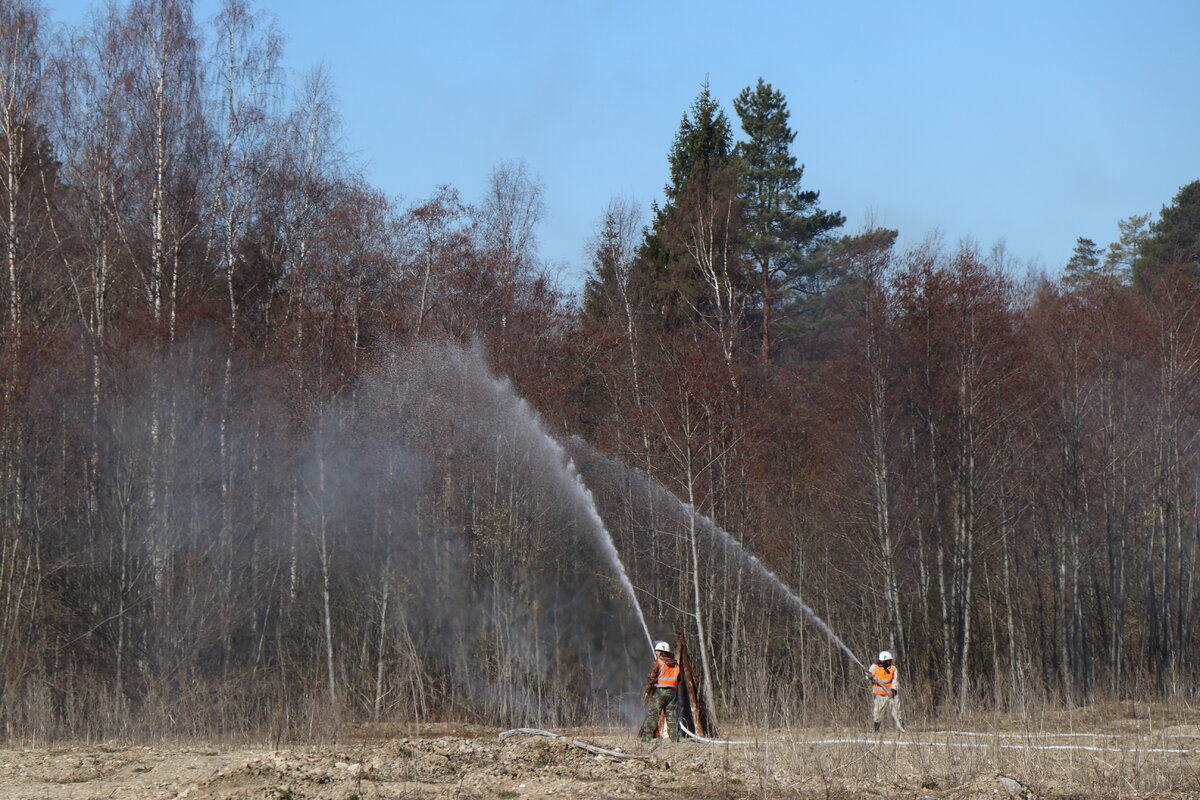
1125, 758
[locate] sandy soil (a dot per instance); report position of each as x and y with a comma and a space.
467, 762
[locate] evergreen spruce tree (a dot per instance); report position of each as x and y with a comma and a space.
783, 223
607, 290
1174, 239
1084, 264
600, 288
702, 149
703, 142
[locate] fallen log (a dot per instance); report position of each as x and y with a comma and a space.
591, 748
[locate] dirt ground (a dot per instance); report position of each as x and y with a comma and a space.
1118, 758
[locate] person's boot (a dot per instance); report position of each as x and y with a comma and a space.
877, 727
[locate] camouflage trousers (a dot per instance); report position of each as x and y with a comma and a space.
662, 700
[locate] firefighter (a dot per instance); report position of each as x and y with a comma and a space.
662, 693
882, 676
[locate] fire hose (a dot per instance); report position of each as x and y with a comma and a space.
691, 735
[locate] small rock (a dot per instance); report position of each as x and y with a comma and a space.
1013, 788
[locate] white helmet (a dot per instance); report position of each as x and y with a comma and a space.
885, 655
662, 647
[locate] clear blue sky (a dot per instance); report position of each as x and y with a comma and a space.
1031, 122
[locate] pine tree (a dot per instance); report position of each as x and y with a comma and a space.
1118, 260
783, 222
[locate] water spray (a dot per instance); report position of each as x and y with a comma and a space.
716, 530
444, 370
791, 596
606, 544
588, 502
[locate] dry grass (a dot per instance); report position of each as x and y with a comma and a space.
1115, 750
453, 759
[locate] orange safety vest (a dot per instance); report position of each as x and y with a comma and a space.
668, 676
884, 676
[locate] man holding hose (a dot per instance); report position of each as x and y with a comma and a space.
662, 693
882, 676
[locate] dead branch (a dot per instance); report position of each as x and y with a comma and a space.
600, 751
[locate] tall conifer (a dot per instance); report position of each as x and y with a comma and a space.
702, 149
783, 222
1174, 239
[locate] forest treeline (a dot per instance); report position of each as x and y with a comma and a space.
256, 472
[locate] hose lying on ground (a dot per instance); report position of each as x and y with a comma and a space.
591, 748
691, 735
